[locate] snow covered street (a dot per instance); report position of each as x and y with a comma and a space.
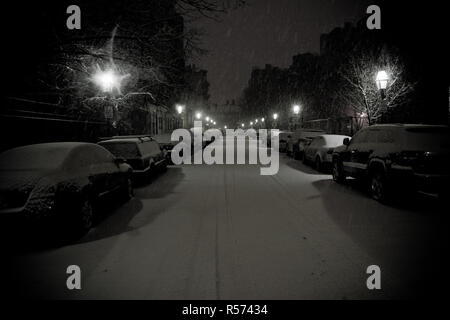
227, 232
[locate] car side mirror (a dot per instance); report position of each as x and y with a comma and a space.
119, 161
346, 141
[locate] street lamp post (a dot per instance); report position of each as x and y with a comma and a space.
109, 82
382, 80
275, 118
181, 113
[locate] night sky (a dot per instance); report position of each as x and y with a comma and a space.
267, 32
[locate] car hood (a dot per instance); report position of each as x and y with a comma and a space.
20, 180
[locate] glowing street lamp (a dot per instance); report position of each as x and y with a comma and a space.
262, 119
275, 116
251, 123
108, 80
214, 123
198, 115
382, 80
256, 121
296, 109
207, 118
224, 127
180, 109
242, 125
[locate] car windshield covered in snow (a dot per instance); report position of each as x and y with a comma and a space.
35, 157
127, 150
333, 141
427, 138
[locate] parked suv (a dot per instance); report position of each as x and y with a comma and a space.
143, 153
397, 155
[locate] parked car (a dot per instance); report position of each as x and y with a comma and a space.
397, 157
166, 144
59, 182
283, 139
320, 150
298, 140
142, 153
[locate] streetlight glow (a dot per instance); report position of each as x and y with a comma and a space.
296, 109
179, 109
382, 80
198, 115
251, 123
256, 121
275, 116
262, 120
242, 125
207, 118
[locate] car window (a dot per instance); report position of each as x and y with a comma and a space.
360, 137
79, 159
385, 136
372, 135
149, 147
126, 150
101, 155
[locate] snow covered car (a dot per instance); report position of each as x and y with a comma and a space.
299, 139
320, 150
166, 144
59, 182
142, 153
283, 137
397, 157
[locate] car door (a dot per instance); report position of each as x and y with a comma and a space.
311, 149
350, 157
365, 150
105, 169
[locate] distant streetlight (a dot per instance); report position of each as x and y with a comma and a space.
224, 127
296, 109
251, 123
214, 123
256, 121
262, 119
207, 118
242, 125
180, 109
198, 115
275, 116
382, 80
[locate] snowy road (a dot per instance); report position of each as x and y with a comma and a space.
226, 232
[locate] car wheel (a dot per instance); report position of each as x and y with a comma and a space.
378, 186
338, 172
318, 164
82, 220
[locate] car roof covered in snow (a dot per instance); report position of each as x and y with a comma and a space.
406, 125
39, 156
124, 140
333, 139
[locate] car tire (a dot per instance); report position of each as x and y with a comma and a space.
304, 160
338, 172
378, 186
81, 220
